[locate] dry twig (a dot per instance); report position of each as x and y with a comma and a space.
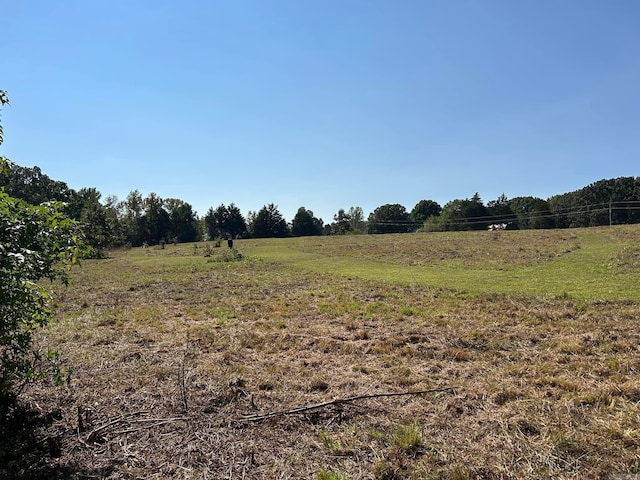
337, 401
128, 420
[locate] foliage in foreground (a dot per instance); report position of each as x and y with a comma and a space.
35, 244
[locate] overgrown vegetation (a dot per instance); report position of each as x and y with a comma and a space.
185, 367
36, 243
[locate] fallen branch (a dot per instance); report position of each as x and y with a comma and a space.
111, 423
156, 423
337, 401
182, 377
128, 419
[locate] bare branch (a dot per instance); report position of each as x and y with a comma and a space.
337, 401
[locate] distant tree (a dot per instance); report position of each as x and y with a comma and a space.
356, 220
477, 213
156, 219
531, 212
451, 218
235, 225
423, 210
304, 224
183, 224
211, 224
202, 229
561, 207
133, 220
269, 223
221, 215
251, 220
78, 200
341, 223
500, 212
115, 213
605, 201
225, 222
33, 186
624, 198
459, 214
92, 215
351, 222
390, 218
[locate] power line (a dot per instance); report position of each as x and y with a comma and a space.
580, 210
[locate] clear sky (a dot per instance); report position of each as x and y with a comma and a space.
325, 104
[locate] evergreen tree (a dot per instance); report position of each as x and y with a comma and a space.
304, 224
269, 223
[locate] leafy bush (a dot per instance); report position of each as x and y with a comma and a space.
36, 243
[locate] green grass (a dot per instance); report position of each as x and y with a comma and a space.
584, 264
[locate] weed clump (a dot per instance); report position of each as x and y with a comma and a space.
224, 256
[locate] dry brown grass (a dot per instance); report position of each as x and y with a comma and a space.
169, 356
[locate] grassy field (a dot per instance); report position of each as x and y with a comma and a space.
489, 355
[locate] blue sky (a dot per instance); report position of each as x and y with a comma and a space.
325, 104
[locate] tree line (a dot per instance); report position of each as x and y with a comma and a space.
135, 221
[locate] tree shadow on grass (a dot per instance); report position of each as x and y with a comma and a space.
31, 446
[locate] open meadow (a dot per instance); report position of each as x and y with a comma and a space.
469, 355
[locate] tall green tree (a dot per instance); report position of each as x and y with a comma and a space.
84, 206
356, 220
115, 214
156, 219
423, 210
390, 218
211, 224
251, 220
462, 214
183, 224
500, 211
225, 222
133, 220
93, 221
341, 223
304, 224
531, 212
235, 224
269, 223
351, 221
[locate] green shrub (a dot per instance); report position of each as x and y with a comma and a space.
36, 243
